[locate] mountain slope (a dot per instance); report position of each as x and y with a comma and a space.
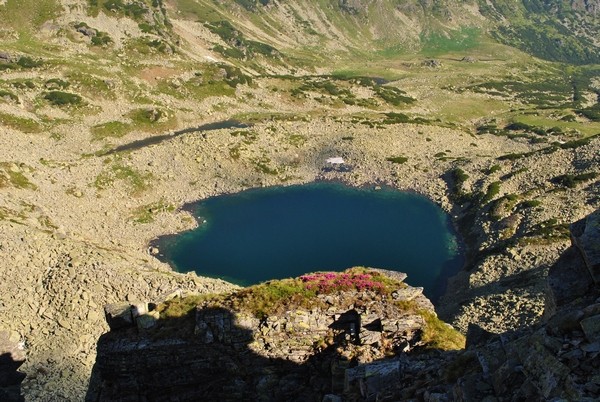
554, 30
558, 30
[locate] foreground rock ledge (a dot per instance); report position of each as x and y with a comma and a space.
296, 339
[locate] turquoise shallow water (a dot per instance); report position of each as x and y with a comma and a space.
281, 232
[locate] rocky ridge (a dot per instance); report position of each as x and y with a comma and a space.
296, 352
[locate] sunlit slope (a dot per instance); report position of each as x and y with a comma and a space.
327, 29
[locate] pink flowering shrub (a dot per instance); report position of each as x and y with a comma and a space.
327, 282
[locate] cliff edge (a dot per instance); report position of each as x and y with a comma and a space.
294, 339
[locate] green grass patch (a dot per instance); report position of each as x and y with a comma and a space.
23, 62
492, 191
56, 83
459, 176
23, 84
547, 232
296, 140
493, 169
27, 15
91, 85
101, 39
572, 181
278, 296
538, 35
249, 136
576, 143
136, 181
437, 43
263, 165
439, 335
151, 120
111, 129
392, 95
397, 159
529, 204
20, 123
274, 297
7, 95
12, 175
179, 307
146, 213
240, 47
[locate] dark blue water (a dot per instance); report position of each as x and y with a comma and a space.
282, 232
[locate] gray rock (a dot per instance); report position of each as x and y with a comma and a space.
147, 320
432, 63
87, 31
592, 309
545, 372
370, 337
408, 293
139, 309
119, 315
568, 279
12, 357
6, 58
591, 347
477, 336
591, 328
564, 322
586, 237
371, 378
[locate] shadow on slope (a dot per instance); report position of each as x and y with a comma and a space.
11, 358
211, 360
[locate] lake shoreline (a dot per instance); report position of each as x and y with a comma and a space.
335, 189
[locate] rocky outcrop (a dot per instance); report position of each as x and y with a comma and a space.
559, 358
590, 6
223, 352
585, 235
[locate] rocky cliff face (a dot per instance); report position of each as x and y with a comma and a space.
301, 352
560, 357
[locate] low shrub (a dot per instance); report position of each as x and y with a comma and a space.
571, 181
328, 282
59, 98
397, 159
492, 191
8, 95
28, 62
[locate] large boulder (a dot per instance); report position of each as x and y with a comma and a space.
585, 235
119, 315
